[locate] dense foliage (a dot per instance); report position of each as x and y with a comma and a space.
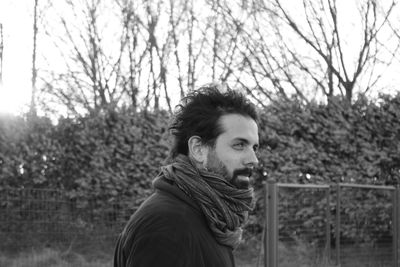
98, 160
324, 144
110, 158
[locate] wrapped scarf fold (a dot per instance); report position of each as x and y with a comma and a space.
224, 206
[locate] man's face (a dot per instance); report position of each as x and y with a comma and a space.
234, 153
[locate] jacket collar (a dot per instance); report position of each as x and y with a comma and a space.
168, 186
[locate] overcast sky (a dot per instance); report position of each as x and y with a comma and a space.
16, 16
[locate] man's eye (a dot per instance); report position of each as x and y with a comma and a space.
238, 146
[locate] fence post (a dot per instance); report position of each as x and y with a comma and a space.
271, 240
266, 210
396, 221
328, 225
337, 226
395, 227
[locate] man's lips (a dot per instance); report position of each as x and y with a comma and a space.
241, 178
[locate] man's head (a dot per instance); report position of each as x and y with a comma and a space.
218, 131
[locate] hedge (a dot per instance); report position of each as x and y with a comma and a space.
111, 158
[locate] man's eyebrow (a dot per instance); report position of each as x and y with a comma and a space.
244, 140
241, 139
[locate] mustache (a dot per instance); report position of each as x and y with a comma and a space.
245, 172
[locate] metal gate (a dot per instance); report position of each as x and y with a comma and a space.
331, 225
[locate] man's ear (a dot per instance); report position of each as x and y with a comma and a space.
197, 150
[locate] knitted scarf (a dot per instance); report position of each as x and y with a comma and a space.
224, 206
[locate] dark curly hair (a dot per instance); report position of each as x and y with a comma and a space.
199, 113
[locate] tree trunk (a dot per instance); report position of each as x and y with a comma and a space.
1, 54
34, 69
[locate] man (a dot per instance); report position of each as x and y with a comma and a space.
202, 198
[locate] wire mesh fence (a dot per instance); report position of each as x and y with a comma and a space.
51, 228
304, 228
48, 220
307, 225
367, 226
343, 225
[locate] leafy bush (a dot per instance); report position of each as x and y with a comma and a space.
107, 161
102, 163
331, 143
326, 144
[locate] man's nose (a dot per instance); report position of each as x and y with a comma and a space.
252, 160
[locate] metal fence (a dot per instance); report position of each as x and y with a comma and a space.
39, 219
306, 225
338, 225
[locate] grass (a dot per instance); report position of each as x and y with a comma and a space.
249, 254
299, 254
52, 258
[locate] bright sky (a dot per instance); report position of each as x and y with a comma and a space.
16, 17
17, 20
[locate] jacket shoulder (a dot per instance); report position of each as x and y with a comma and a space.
166, 231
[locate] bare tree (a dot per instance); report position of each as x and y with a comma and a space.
34, 51
147, 34
174, 22
1, 53
97, 75
224, 46
164, 49
232, 49
315, 48
175, 40
131, 24
212, 44
159, 49
92, 79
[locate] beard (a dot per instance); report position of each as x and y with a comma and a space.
214, 164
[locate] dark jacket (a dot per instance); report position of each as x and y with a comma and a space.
169, 229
